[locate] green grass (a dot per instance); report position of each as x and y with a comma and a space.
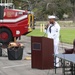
67, 34
36, 32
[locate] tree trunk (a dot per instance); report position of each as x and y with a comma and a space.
73, 12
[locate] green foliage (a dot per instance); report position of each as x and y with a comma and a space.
72, 1
42, 8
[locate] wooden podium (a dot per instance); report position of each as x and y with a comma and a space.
42, 49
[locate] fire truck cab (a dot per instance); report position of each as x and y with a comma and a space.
14, 24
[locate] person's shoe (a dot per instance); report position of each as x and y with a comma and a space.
57, 66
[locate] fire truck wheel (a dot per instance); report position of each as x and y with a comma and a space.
5, 35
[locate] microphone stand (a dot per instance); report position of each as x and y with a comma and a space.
45, 33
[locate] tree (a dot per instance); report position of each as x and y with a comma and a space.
73, 9
48, 7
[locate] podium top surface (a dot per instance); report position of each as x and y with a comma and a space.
40, 37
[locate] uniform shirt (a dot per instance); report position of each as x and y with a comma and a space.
55, 32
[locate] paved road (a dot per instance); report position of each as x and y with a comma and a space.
23, 67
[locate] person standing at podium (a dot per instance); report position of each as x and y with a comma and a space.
53, 31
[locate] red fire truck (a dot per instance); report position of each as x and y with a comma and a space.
14, 24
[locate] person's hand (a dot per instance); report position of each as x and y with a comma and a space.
47, 26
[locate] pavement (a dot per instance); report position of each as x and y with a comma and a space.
23, 67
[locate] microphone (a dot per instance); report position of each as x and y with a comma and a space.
46, 26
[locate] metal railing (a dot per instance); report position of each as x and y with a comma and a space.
7, 3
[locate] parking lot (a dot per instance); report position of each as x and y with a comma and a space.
23, 67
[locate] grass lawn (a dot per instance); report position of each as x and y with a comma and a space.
67, 34
36, 32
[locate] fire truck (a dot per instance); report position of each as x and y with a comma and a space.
15, 23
